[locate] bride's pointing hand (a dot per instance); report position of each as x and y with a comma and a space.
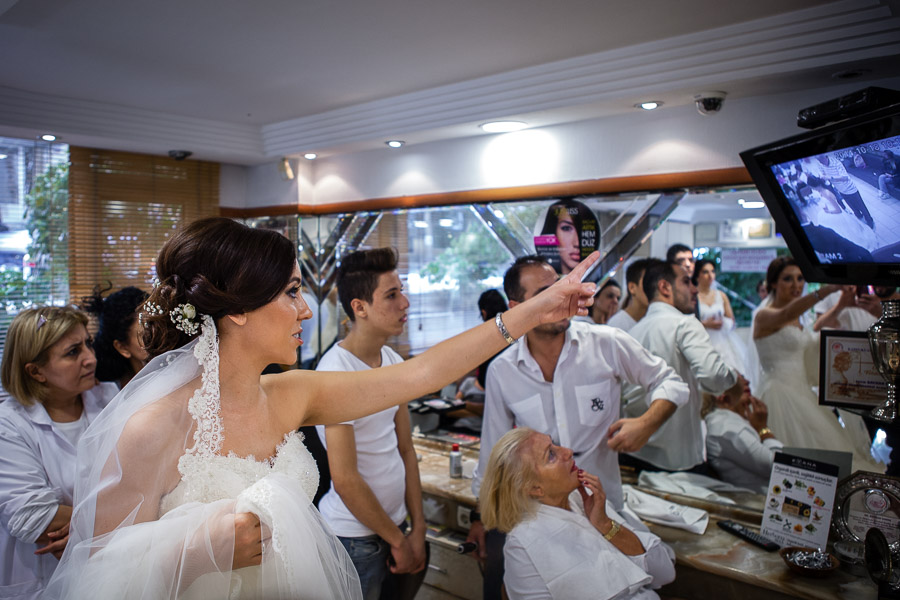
568, 296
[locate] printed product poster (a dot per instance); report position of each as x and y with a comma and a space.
566, 233
799, 501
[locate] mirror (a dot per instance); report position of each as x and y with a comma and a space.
450, 254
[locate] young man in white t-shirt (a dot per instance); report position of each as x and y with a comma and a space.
374, 471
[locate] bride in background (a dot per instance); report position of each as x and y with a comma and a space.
718, 318
195, 483
782, 337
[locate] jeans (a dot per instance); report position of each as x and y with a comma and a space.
369, 555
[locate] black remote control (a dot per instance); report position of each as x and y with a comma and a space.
749, 535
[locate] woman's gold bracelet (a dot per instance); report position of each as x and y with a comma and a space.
612, 530
764, 431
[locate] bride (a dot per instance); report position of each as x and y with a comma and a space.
717, 317
781, 340
194, 483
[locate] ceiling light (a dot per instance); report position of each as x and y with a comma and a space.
498, 213
503, 126
421, 224
395, 143
310, 156
2, 156
751, 203
48, 137
651, 105
446, 222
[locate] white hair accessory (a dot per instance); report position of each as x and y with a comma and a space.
183, 316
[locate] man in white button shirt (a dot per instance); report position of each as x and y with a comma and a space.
564, 380
671, 331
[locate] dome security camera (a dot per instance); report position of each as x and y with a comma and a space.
709, 103
179, 154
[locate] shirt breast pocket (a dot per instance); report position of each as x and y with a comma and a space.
529, 412
596, 405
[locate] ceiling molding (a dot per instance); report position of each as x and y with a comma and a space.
782, 47
72, 118
835, 33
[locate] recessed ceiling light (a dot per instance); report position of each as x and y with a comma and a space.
751, 203
2, 156
48, 137
310, 156
651, 105
503, 126
446, 222
395, 143
421, 224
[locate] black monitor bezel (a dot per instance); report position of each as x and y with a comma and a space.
858, 131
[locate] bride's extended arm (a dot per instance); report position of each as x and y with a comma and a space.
770, 319
335, 397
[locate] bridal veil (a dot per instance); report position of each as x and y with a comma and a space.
120, 544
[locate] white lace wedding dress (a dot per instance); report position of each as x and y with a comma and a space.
795, 416
143, 528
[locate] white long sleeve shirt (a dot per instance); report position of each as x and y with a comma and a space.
37, 474
683, 343
736, 452
559, 555
577, 408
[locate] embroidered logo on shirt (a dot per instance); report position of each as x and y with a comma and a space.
596, 404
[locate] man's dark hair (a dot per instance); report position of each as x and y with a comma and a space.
491, 302
511, 284
658, 270
359, 272
635, 271
633, 274
676, 249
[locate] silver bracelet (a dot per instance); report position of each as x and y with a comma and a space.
503, 330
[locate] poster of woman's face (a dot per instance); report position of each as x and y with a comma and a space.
567, 233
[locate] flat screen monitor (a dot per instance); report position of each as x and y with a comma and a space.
834, 194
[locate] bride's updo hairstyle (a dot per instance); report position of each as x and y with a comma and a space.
774, 271
218, 266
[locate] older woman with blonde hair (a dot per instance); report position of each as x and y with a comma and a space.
564, 540
48, 370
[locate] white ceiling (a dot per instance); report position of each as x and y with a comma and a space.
243, 82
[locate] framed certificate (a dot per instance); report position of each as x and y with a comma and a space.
847, 376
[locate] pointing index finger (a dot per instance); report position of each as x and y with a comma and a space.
582, 269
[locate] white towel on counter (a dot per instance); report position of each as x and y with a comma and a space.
656, 510
688, 484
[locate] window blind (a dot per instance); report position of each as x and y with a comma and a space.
33, 200
122, 209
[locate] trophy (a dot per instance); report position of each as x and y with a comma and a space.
884, 340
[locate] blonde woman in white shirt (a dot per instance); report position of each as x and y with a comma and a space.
564, 540
48, 370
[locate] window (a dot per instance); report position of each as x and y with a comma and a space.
33, 242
